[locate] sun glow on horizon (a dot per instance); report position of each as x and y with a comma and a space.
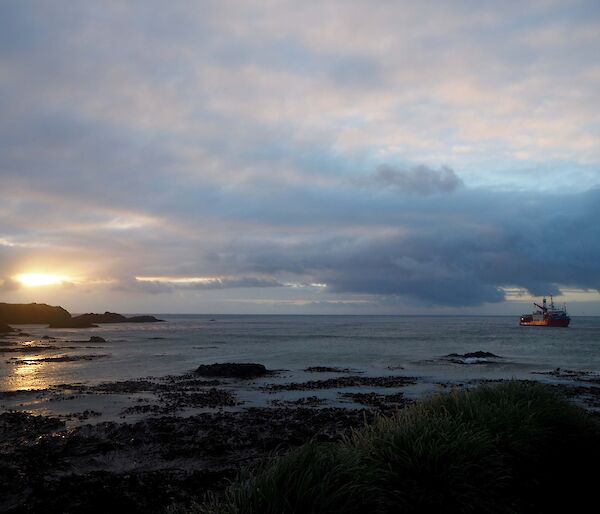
40, 279
180, 280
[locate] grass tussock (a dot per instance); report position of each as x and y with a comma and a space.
506, 448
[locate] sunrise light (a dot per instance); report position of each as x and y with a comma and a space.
40, 279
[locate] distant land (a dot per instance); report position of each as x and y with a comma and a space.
58, 317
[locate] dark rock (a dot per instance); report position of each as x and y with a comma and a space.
143, 409
213, 397
82, 416
149, 465
10, 395
341, 382
476, 355
563, 373
27, 348
20, 313
18, 425
57, 317
379, 401
107, 317
231, 369
72, 323
327, 369
309, 401
97, 339
113, 317
62, 358
144, 319
5, 329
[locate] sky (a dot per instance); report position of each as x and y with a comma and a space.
340, 157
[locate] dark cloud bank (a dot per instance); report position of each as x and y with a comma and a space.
457, 252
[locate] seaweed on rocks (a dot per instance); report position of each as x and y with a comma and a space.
382, 402
82, 416
232, 370
308, 401
328, 369
341, 382
27, 348
20, 425
150, 464
212, 398
573, 374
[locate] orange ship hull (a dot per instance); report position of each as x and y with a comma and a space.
546, 323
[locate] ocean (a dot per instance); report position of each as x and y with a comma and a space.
415, 346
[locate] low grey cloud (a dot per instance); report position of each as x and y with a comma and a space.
421, 179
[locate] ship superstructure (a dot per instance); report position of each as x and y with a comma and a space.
546, 316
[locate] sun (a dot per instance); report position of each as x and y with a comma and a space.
40, 279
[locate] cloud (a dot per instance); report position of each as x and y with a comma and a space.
170, 284
241, 143
420, 179
9, 284
461, 253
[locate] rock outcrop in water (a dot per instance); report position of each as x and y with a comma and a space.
475, 355
71, 323
232, 370
113, 317
5, 329
57, 317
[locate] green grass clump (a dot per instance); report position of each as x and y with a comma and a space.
510, 447
312, 478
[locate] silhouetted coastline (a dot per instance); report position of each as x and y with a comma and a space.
58, 317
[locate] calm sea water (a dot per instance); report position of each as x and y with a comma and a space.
375, 345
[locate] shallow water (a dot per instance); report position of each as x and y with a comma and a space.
374, 345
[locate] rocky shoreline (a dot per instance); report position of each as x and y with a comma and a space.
169, 457
151, 464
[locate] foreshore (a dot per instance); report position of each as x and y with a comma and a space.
73, 440
160, 453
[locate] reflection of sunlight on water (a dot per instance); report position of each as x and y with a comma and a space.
28, 376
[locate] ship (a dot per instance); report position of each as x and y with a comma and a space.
546, 316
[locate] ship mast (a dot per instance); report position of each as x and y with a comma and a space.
543, 306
